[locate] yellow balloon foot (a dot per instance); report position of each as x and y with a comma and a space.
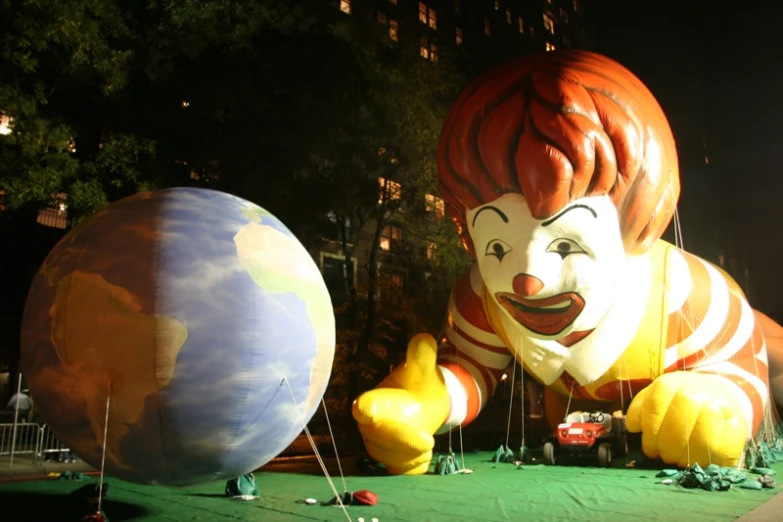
421, 469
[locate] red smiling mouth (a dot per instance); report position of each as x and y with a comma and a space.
548, 316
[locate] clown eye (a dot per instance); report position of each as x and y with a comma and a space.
498, 249
564, 247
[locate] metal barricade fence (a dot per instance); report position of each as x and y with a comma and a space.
49, 446
26, 441
34, 440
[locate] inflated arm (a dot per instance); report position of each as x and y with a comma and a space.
472, 357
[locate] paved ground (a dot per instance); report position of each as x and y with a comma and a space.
23, 467
771, 511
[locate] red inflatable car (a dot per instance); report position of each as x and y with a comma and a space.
583, 433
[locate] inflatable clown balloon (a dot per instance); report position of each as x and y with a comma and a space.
560, 173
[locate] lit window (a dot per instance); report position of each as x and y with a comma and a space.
55, 214
381, 18
497, 5
508, 15
428, 51
521, 23
434, 204
428, 16
563, 16
531, 31
549, 24
5, 124
576, 6
459, 36
391, 189
550, 46
393, 1
432, 249
487, 27
549, 1
424, 51
345, 6
394, 30
391, 238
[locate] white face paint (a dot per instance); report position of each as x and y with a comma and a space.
552, 278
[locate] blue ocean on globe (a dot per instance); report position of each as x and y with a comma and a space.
202, 320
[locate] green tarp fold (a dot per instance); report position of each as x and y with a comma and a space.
242, 487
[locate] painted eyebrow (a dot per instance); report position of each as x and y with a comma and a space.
490, 207
552, 220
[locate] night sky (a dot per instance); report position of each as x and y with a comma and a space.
717, 71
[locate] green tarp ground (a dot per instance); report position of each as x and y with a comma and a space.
493, 492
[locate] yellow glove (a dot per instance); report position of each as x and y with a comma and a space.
399, 417
680, 404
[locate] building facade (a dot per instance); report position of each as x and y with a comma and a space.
476, 35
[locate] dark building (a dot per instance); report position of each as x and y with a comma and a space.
483, 32
474, 36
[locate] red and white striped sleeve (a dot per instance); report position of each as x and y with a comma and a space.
471, 356
713, 329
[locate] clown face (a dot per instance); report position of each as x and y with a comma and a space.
555, 279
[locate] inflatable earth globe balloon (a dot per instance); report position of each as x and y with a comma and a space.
196, 319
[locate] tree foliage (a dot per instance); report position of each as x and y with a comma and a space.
260, 99
48, 52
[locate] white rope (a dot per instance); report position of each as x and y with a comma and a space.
440, 338
461, 447
622, 396
762, 426
317, 455
511, 401
521, 393
517, 353
334, 444
103, 451
630, 388
623, 364
522, 404
16, 418
456, 353
679, 244
462, 450
568, 406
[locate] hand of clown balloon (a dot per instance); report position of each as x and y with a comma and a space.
680, 404
398, 418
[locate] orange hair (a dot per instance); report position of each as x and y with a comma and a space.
556, 127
